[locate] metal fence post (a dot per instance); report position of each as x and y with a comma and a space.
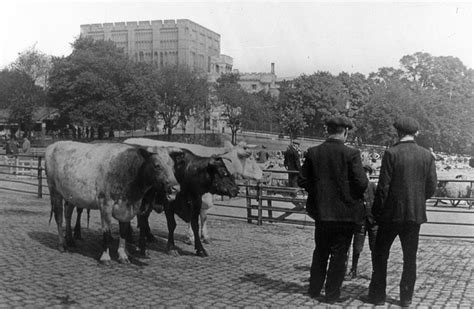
40, 178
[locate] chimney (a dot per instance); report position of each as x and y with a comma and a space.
273, 68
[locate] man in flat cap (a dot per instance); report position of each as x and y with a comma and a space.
292, 162
407, 179
335, 180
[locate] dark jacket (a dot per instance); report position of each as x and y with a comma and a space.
407, 179
292, 159
332, 174
369, 196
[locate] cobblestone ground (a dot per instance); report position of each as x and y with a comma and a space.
249, 265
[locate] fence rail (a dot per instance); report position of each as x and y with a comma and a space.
262, 202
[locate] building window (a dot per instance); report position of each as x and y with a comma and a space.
254, 86
208, 64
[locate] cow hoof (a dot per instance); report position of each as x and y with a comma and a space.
173, 252
142, 253
188, 241
131, 249
201, 253
62, 248
124, 260
206, 241
105, 262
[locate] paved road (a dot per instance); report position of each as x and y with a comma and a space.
249, 265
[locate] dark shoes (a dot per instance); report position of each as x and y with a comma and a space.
313, 294
405, 303
324, 299
373, 301
340, 299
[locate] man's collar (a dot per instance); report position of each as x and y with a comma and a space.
406, 141
407, 138
334, 140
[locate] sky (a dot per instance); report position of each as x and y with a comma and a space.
299, 37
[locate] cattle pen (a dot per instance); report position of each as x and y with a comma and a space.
270, 200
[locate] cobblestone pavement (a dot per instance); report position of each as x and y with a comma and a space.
249, 265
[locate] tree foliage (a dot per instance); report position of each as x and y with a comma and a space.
35, 64
98, 85
178, 93
20, 96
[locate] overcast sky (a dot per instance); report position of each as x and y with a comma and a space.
299, 37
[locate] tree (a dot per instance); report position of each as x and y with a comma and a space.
179, 93
35, 64
20, 96
233, 101
290, 111
97, 85
318, 96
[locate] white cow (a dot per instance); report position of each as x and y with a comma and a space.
110, 177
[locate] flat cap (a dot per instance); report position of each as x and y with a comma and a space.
339, 122
406, 125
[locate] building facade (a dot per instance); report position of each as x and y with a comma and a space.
163, 43
256, 82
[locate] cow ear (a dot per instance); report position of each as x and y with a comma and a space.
177, 154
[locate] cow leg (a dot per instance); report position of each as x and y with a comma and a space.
171, 222
68, 210
57, 210
200, 251
204, 232
106, 218
77, 227
189, 235
143, 225
124, 230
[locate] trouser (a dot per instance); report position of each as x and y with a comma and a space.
408, 234
333, 240
359, 236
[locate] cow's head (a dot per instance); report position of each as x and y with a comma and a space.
159, 169
241, 163
223, 182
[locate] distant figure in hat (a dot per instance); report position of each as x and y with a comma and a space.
262, 155
292, 162
335, 180
407, 179
366, 225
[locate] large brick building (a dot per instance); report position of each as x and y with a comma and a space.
168, 42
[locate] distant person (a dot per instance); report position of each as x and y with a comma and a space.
8, 150
335, 180
292, 163
26, 145
365, 226
262, 155
14, 145
407, 179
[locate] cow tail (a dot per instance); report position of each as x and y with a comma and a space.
88, 216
